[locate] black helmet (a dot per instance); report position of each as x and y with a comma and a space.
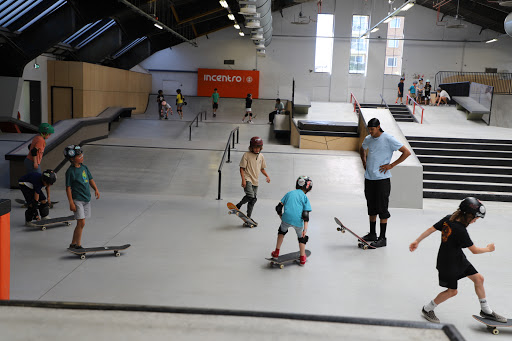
49, 176
473, 206
72, 151
304, 182
402, 78
256, 142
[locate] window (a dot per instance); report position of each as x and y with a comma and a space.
395, 47
393, 43
391, 62
324, 43
358, 47
395, 22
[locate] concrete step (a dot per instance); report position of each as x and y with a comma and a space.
458, 177
465, 161
467, 186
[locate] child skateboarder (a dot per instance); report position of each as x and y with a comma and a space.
452, 264
400, 94
215, 101
165, 107
251, 165
296, 214
78, 180
31, 185
248, 109
36, 149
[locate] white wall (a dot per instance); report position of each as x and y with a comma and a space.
291, 54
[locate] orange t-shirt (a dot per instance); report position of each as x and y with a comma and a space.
39, 143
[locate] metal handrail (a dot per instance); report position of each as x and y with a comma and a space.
360, 113
196, 119
383, 101
409, 98
231, 140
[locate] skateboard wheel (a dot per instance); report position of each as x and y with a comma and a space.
271, 264
252, 226
43, 228
365, 247
338, 229
342, 230
117, 253
82, 256
68, 223
495, 331
281, 266
230, 212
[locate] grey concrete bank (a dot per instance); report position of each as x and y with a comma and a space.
74, 131
407, 177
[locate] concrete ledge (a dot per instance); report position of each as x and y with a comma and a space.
74, 131
407, 177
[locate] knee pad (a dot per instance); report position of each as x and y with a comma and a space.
281, 232
246, 114
44, 209
303, 240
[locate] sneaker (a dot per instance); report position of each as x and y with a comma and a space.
214, 115
429, 315
78, 247
370, 237
251, 122
381, 242
275, 253
72, 246
494, 316
238, 206
303, 259
166, 117
29, 224
46, 218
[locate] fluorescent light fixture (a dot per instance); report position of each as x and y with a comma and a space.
223, 3
491, 41
236, 26
374, 30
241, 33
159, 26
231, 16
406, 5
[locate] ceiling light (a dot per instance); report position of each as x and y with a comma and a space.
223, 3
387, 20
374, 30
491, 41
406, 7
241, 34
236, 26
159, 26
231, 16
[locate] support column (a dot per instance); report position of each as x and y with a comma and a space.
5, 248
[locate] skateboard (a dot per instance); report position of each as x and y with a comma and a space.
115, 249
24, 203
44, 223
248, 222
363, 244
287, 258
492, 325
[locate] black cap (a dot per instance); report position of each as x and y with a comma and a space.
374, 122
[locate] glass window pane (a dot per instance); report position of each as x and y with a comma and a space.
358, 47
324, 43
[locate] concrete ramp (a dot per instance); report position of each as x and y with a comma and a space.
27, 320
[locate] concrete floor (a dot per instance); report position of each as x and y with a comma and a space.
158, 193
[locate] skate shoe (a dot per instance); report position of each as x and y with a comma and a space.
429, 316
303, 260
275, 253
370, 237
381, 242
494, 316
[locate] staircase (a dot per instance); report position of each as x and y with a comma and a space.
455, 168
400, 112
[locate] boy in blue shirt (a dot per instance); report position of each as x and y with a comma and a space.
296, 214
78, 179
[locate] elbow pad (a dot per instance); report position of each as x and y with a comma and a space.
279, 209
305, 215
33, 151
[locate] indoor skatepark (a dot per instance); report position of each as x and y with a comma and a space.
193, 272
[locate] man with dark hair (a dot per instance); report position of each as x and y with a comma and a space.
278, 108
377, 183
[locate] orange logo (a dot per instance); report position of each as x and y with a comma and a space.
447, 232
229, 83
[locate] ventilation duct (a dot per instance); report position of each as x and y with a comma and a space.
260, 20
508, 24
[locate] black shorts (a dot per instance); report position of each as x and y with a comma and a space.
215, 105
377, 197
400, 95
450, 280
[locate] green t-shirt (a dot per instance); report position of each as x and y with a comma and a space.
215, 97
78, 179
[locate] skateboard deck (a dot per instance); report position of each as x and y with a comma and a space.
114, 249
44, 223
492, 325
24, 203
363, 244
287, 258
247, 221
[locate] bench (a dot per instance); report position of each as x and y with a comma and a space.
73, 131
474, 109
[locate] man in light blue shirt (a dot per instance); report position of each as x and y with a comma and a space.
377, 184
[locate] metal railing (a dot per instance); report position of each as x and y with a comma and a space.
502, 82
227, 150
360, 114
407, 99
382, 101
196, 119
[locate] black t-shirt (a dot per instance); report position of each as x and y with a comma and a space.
427, 89
451, 261
160, 99
248, 102
34, 180
401, 87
